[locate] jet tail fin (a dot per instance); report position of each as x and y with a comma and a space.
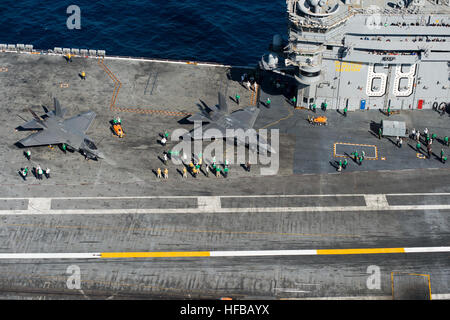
38, 119
58, 110
223, 107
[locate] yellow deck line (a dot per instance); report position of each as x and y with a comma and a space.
155, 254
360, 251
356, 144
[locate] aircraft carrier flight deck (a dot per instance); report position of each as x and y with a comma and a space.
311, 230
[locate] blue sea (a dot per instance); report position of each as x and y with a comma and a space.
236, 32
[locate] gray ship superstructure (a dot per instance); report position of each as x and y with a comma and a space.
366, 54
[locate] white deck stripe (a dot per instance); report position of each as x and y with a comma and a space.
49, 255
190, 197
440, 296
263, 253
212, 204
167, 61
434, 296
427, 249
223, 210
343, 298
238, 196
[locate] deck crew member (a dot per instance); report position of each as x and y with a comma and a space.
217, 171
39, 172
344, 165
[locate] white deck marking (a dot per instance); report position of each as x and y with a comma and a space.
434, 296
238, 196
376, 201
263, 253
440, 296
209, 203
343, 298
38, 205
168, 61
212, 209
212, 204
50, 255
190, 197
427, 249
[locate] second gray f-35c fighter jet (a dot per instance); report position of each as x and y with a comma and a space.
223, 124
53, 129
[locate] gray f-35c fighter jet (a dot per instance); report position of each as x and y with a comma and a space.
53, 129
223, 124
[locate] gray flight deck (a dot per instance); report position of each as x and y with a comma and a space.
117, 204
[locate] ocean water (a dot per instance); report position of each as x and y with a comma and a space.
236, 32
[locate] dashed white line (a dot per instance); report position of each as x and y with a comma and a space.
212, 204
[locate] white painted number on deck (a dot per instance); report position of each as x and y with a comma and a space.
74, 280
374, 280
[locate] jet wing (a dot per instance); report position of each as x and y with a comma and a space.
246, 117
80, 122
41, 138
262, 144
212, 130
200, 116
31, 125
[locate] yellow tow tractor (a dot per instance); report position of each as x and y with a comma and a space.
320, 120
